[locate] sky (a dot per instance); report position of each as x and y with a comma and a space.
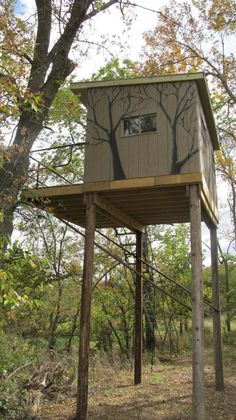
116, 31
119, 39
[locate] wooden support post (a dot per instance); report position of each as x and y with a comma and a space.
82, 398
219, 371
198, 410
138, 311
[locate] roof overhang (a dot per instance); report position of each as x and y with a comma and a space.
81, 88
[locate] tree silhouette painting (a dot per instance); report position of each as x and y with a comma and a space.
182, 114
115, 111
105, 126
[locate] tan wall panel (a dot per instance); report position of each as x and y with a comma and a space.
143, 155
148, 154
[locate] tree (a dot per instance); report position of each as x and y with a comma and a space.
23, 276
198, 36
193, 37
33, 77
51, 240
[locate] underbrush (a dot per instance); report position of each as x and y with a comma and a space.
30, 376
17, 356
27, 373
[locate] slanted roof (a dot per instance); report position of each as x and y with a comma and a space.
82, 88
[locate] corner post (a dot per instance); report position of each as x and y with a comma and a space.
198, 409
219, 370
138, 310
85, 311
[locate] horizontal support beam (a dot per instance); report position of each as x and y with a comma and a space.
117, 214
152, 181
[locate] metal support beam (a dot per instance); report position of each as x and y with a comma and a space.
198, 410
219, 370
85, 312
138, 310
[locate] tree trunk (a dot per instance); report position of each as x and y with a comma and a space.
138, 336
149, 311
233, 209
227, 298
54, 320
219, 370
14, 171
118, 172
73, 328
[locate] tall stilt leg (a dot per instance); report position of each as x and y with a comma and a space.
219, 371
138, 311
85, 312
198, 412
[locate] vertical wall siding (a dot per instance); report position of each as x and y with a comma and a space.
149, 154
207, 155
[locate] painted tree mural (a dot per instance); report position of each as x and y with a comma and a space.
150, 129
177, 103
115, 104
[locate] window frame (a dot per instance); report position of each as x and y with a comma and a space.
139, 117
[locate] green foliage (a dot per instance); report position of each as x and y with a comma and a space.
17, 355
173, 258
66, 108
114, 70
228, 286
22, 277
112, 310
16, 48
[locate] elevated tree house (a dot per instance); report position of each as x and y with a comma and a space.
149, 159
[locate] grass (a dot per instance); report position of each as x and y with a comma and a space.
165, 394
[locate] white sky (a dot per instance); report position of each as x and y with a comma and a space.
110, 24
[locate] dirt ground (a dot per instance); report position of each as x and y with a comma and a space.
165, 394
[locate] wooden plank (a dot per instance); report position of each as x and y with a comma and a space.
143, 154
164, 180
128, 196
117, 214
133, 156
90, 146
132, 213
198, 412
146, 219
152, 201
208, 202
77, 86
162, 129
85, 311
138, 310
155, 205
219, 370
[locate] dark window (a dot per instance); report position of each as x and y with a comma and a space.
148, 123
131, 126
140, 124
